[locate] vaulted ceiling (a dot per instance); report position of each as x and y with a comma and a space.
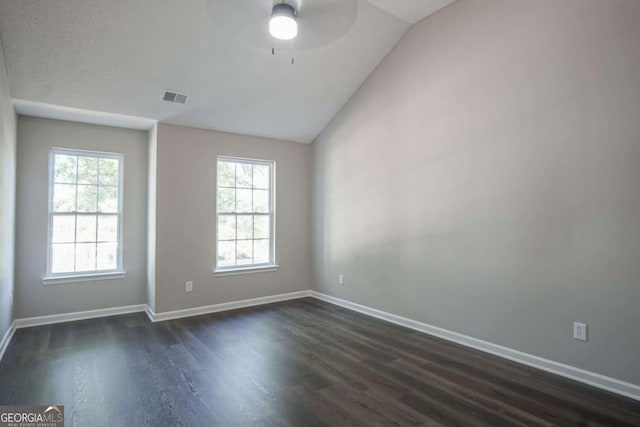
120, 56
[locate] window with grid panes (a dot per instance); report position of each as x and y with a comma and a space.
245, 213
85, 213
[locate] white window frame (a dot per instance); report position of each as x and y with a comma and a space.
249, 268
66, 277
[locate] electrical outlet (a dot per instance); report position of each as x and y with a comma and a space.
341, 279
580, 331
188, 287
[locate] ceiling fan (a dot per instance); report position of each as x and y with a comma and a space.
283, 25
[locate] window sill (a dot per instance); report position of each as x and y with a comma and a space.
58, 280
247, 270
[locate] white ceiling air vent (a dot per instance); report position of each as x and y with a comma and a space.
178, 98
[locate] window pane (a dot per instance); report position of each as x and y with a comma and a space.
226, 227
85, 256
226, 200
244, 213
64, 198
244, 253
244, 201
107, 228
63, 228
245, 226
261, 201
226, 254
107, 256
86, 228
261, 228
226, 174
62, 256
84, 184
261, 251
243, 175
108, 201
109, 172
87, 170
260, 176
87, 198
65, 168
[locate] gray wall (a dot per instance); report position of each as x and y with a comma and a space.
7, 198
185, 221
35, 137
485, 179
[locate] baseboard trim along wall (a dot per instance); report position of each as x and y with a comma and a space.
6, 339
207, 309
591, 378
79, 315
597, 380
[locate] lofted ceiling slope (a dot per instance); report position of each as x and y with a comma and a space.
120, 56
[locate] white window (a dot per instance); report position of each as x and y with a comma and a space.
245, 214
85, 213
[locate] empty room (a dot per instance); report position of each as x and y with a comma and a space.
319, 213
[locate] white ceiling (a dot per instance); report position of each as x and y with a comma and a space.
411, 11
119, 56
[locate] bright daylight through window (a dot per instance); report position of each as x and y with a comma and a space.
245, 214
85, 213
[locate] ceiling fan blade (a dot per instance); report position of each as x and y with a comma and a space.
319, 21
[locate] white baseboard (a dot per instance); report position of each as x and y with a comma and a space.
79, 315
196, 311
150, 313
6, 339
597, 380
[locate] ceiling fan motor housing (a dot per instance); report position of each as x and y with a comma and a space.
283, 9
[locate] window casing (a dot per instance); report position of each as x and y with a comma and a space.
85, 213
245, 214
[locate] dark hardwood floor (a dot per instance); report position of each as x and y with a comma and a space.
298, 363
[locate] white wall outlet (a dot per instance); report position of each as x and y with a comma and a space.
341, 279
579, 331
188, 287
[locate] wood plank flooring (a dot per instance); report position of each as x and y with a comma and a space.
297, 363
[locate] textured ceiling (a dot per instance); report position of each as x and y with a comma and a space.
119, 56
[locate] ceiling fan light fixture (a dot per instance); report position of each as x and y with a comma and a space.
283, 24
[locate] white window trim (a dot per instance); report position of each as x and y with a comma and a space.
84, 276
246, 270
250, 268
58, 280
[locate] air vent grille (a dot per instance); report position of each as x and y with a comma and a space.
178, 98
